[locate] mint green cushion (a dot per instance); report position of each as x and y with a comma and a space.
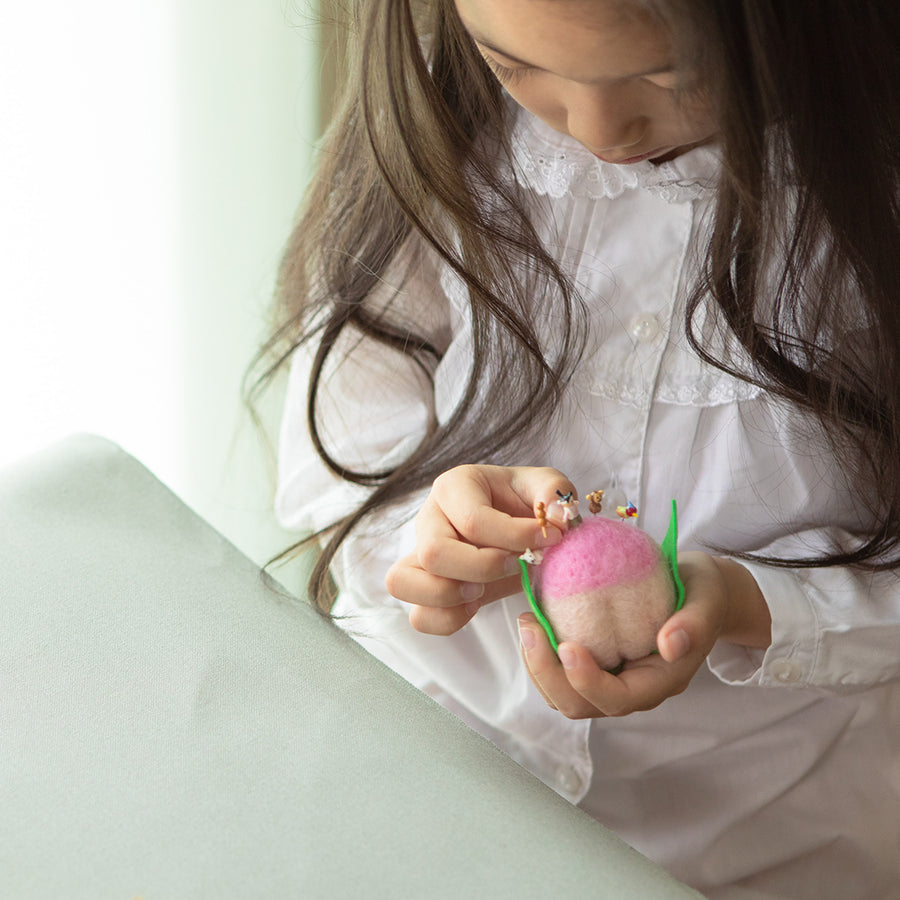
174, 725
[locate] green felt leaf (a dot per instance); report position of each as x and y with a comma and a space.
669, 549
536, 607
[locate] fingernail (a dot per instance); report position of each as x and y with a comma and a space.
527, 637
679, 644
511, 565
471, 590
567, 657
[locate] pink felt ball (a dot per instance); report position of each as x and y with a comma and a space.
607, 586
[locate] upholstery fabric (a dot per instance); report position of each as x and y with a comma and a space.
173, 724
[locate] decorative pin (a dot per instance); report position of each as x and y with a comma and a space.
570, 508
540, 513
595, 502
627, 512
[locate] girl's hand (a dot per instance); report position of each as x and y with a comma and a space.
469, 534
722, 601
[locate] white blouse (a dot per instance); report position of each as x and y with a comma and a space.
776, 773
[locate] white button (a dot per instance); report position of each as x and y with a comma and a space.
644, 328
785, 671
568, 781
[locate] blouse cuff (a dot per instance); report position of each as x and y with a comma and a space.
790, 658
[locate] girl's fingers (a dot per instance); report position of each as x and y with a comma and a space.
408, 581
476, 522
440, 552
493, 506
642, 685
548, 674
432, 618
482, 548
443, 622
574, 684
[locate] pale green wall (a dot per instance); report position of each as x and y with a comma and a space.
151, 159
247, 117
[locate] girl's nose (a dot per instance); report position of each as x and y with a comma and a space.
604, 119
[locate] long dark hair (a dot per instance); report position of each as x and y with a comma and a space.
806, 94
803, 264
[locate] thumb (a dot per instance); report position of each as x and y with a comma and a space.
696, 626
673, 642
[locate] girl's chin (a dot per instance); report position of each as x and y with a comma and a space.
653, 156
660, 155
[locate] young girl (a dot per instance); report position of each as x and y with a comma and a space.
653, 247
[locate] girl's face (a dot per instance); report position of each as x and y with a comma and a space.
602, 71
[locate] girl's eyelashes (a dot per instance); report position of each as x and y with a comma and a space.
505, 74
677, 81
668, 81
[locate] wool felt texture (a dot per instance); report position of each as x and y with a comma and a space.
607, 586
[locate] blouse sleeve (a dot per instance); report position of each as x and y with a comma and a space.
833, 628
374, 406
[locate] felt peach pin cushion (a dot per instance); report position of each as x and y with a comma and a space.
607, 585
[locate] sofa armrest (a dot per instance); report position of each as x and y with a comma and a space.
175, 724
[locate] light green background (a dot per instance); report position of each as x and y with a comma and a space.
152, 157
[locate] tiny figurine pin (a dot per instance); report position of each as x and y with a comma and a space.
532, 557
595, 502
570, 508
540, 513
627, 512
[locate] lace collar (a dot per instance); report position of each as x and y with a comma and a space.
553, 164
